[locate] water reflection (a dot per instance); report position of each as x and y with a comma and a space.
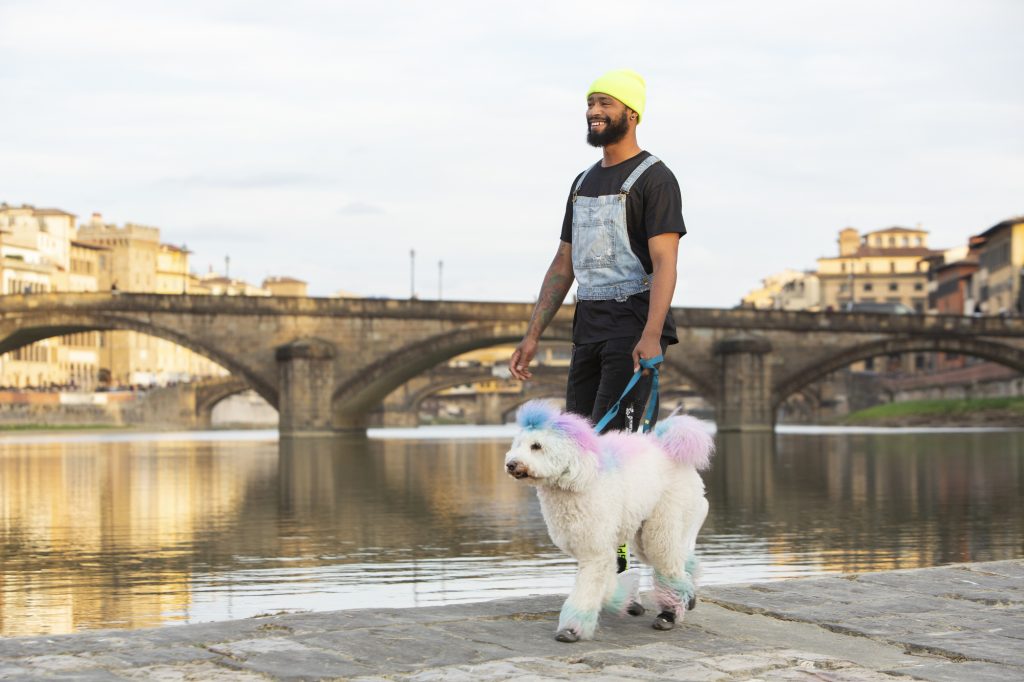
134, 534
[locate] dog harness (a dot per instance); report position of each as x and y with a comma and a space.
602, 260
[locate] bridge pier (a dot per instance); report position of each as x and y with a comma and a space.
745, 386
306, 384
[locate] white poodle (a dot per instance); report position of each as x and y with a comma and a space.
599, 492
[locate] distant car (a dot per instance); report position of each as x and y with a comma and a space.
873, 307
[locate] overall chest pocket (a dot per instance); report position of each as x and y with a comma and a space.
595, 228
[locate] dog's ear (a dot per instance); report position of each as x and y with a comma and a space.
577, 429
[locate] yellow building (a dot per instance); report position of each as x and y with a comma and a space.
285, 286
172, 276
43, 250
39, 253
786, 290
884, 266
1000, 277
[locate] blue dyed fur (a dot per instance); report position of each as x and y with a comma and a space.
583, 623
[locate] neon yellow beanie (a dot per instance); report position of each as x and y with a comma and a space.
624, 85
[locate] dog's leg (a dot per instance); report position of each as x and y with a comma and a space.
622, 598
674, 563
595, 579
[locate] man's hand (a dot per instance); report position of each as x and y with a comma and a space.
519, 363
648, 347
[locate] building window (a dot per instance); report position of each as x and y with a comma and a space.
868, 286
918, 286
893, 286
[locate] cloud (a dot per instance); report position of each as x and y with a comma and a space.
270, 180
360, 208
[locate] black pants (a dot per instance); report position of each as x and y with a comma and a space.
598, 374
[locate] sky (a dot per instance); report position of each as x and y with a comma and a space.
328, 140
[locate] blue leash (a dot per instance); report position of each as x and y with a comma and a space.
652, 402
652, 405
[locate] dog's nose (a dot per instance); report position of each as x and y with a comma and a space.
511, 466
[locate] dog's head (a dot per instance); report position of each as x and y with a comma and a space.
554, 448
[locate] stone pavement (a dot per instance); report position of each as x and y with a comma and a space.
962, 622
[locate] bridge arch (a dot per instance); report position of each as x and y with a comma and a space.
367, 389
981, 348
27, 329
211, 392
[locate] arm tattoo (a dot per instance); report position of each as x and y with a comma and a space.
552, 294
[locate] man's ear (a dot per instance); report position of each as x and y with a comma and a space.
632, 114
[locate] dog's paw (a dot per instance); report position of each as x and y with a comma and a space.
567, 635
666, 620
635, 608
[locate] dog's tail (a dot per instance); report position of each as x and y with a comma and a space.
686, 440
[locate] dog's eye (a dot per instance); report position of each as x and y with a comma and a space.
535, 446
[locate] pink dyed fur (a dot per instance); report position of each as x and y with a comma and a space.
685, 440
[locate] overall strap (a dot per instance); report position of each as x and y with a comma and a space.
579, 183
635, 175
651, 364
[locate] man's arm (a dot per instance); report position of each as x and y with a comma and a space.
664, 252
556, 285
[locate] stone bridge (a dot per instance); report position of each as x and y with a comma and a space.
325, 364
402, 406
188, 405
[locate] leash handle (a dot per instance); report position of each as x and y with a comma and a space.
645, 363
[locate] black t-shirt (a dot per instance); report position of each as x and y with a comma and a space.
654, 206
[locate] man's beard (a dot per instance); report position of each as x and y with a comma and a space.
612, 133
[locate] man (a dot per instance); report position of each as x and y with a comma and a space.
620, 240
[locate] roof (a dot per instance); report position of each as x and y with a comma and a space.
897, 229
999, 227
52, 211
888, 252
172, 247
284, 280
971, 263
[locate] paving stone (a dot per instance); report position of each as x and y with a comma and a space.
1011, 568
961, 672
310, 664
146, 656
407, 647
192, 672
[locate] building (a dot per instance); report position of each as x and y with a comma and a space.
38, 254
998, 282
172, 275
800, 293
884, 266
764, 298
285, 286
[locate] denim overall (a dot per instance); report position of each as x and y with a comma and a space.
604, 264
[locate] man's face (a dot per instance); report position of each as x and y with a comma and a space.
607, 120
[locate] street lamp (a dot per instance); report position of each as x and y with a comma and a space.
412, 273
440, 278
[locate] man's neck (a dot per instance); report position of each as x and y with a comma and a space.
623, 150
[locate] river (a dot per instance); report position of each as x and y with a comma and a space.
127, 530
